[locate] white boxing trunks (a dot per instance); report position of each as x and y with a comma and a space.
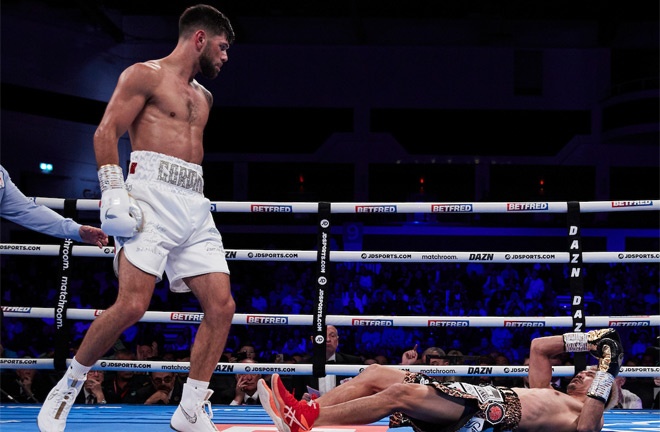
179, 235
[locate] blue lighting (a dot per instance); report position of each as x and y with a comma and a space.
46, 168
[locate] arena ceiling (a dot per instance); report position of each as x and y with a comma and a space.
251, 17
457, 9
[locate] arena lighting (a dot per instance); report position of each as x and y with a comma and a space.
46, 168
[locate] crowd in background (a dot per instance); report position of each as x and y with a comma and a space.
413, 289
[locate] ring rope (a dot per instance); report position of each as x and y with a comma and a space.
399, 207
365, 256
352, 320
306, 369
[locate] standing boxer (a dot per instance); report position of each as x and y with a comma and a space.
159, 216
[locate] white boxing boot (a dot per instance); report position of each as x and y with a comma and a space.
194, 413
58, 403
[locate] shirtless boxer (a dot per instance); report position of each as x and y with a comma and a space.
159, 217
380, 391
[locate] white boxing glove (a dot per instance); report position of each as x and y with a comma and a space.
120, 214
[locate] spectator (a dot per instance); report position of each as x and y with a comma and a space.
503, 360
395, 337
627, 399
247, 351
222, 384
117, 386
6, 352
418, 303
25, 386
502, 341
351, 308
258, 302
431, 356
455, 357
291, 299
365, 279
641, 343
494, 282
181, 343
381, 359
146, 351
535, 286
485, 360
183, 356
296, 344
245, 390
369, 338
268, 353
92, 390
162, 389
325, 384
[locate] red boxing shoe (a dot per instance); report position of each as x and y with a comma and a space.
268, 402
297, 416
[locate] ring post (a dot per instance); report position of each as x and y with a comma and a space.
62, 299
576, 281
322, 289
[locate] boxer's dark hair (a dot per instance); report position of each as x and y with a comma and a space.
208, 18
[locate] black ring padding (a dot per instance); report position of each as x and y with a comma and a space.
70, 207
576, 280
323, 286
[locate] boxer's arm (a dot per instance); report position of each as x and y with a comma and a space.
610, 356
541, 351
127, 102
120, 216
591, 417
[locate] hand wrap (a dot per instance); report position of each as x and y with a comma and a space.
610, 354
601, 386
581, 342
120, 214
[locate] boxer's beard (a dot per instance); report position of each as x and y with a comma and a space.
206, 65
571, 386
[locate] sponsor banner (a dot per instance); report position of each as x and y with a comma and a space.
268, 208
641, 203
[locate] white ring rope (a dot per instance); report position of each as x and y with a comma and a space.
306, 369
402, 207
365, 256
352, 320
